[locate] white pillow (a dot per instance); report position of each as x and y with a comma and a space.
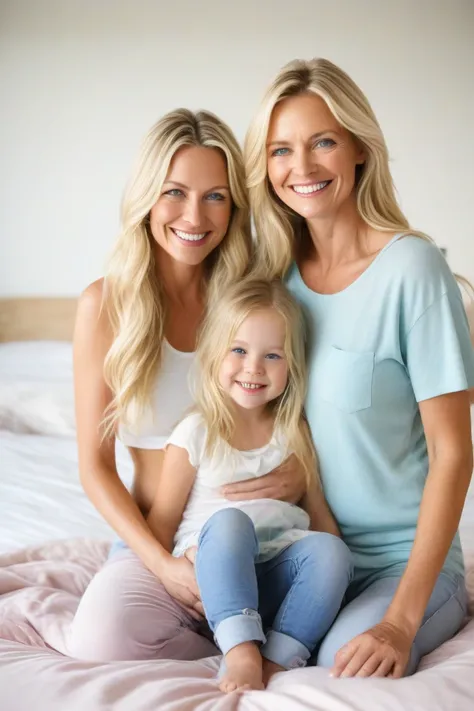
36, 388
37, 408
36, 360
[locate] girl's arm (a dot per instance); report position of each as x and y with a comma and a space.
446, 420
97, 466
316, 506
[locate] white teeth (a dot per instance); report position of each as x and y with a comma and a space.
305, 189
250, 386
190, 237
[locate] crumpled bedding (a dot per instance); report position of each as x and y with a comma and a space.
39, 591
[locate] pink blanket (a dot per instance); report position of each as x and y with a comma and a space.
40, 589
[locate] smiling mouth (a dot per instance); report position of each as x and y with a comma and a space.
191, 238
250, 387
310, 189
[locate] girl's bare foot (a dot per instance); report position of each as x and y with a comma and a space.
243, 669
269, 669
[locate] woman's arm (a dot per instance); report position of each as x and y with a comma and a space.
174, 486
97, 466
288, 483
285, 483
447, 425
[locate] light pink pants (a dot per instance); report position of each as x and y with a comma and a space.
126, 614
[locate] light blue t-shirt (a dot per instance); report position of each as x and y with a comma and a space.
396, 336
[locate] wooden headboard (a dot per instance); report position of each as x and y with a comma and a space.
37, 319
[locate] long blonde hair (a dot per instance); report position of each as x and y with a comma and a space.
278, 227
216, 336
133, 295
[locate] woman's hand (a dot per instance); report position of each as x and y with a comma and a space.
384, 650
179, 580
285, 483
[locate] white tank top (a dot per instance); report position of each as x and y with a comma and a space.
170, 400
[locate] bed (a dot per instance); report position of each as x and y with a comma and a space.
52, 541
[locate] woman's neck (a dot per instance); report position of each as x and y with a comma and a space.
182, 283
339, 239
339, 250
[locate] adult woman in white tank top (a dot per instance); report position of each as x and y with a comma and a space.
185, 234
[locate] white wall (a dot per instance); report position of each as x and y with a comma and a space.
82, 80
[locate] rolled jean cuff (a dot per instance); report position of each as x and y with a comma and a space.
285, 651
238, 629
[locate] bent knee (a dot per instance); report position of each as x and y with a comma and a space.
124, 617
122, 635
342, 555
327, 652
325, 549
231, 517
228, 523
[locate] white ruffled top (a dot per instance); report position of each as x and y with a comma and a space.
277, 523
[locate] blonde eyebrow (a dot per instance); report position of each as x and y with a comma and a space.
271, 348
311, 138
186, 187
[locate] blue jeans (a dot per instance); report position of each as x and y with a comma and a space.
294, 597
365, 608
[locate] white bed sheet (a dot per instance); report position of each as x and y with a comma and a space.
41, 497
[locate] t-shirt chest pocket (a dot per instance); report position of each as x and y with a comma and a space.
346, 379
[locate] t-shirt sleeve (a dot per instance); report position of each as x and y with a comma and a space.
190, 434
439, 352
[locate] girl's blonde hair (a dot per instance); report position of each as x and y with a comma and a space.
133, 295
216, 336
278, 227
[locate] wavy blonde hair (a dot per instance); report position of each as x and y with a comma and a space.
133, 295
218, 332
278, 226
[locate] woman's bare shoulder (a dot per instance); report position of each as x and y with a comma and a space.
90, 309
93, 295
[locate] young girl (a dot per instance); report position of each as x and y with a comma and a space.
264, 576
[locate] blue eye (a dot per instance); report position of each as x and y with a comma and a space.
239, 351
175, 192
216, 196
273, 356
325, 143
279, 152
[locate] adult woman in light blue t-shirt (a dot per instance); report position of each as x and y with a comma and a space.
390, 364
